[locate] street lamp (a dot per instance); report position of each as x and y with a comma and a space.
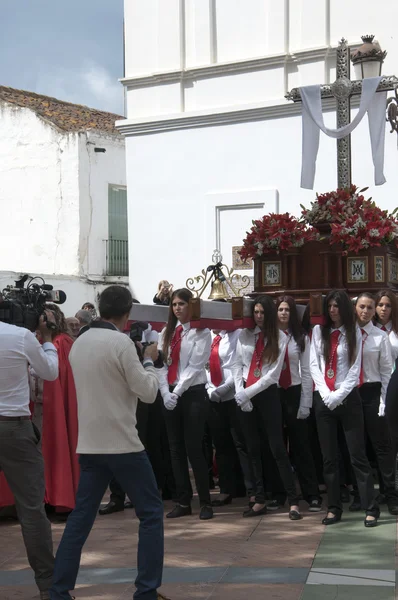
368, 58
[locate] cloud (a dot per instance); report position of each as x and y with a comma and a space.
91, 84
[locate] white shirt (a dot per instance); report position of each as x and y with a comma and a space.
109, 379
270, 373
377, 359
347, 377
194, 354
299, 363
18, 348
226, 352
393, 338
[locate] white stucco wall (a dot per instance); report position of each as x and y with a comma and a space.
54, 203
174, 176
39, 195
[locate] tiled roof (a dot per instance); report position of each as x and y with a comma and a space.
64, 115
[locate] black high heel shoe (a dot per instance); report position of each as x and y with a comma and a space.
255, 513
372, 523
294, 515
331, 520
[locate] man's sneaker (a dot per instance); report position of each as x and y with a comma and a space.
161, 597
315, 505
273, 505
45, 595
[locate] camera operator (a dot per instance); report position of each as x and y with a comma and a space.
21, 459
109, 379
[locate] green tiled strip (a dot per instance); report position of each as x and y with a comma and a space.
353, 562
347, 592
350, 545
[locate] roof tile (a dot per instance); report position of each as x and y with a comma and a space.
64, 115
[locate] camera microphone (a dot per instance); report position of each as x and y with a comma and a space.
56, 296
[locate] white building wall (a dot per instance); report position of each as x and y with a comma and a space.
38, 195
97, 170
54, 204
187, 142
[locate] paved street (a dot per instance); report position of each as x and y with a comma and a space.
229, 557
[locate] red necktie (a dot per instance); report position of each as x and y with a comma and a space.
331, 368
285, 380
383, 328
256, 363
361, 375
214, 362
175, 348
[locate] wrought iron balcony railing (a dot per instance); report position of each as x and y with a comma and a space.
117, 257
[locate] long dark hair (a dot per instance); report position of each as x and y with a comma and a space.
347, 319
394, 307
270, 328
185, 295
295, 326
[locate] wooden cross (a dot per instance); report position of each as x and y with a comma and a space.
342, 90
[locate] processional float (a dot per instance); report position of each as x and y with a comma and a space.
322, 261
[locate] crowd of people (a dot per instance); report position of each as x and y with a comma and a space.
280, 413
284, 400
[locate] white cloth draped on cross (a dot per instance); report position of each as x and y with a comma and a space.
312, 122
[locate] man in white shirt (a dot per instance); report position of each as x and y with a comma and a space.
109, 379
21, 459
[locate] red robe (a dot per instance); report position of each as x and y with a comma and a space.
59, 433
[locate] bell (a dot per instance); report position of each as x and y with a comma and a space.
218, 291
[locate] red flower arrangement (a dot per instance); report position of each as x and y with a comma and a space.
276, 232
329, 207
369, 226
356, 223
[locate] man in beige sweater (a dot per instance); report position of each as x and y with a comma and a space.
109, 379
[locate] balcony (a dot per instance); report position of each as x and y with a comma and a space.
117, 257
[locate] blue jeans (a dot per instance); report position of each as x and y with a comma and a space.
134, 472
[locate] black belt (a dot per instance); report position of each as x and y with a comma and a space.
23, 418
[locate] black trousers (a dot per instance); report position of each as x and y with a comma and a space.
299, 444
376, 429
118, 495
314, 445
392, 410
157, 447
230, 445
267, 412
350, 415
185, 429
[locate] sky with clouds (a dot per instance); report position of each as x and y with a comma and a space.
69, 49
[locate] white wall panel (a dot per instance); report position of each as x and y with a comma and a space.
197, 24
306, 73
153, 100
152, 36
307, 24
241, 29
233, 90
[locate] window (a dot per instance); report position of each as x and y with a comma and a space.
117, 261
